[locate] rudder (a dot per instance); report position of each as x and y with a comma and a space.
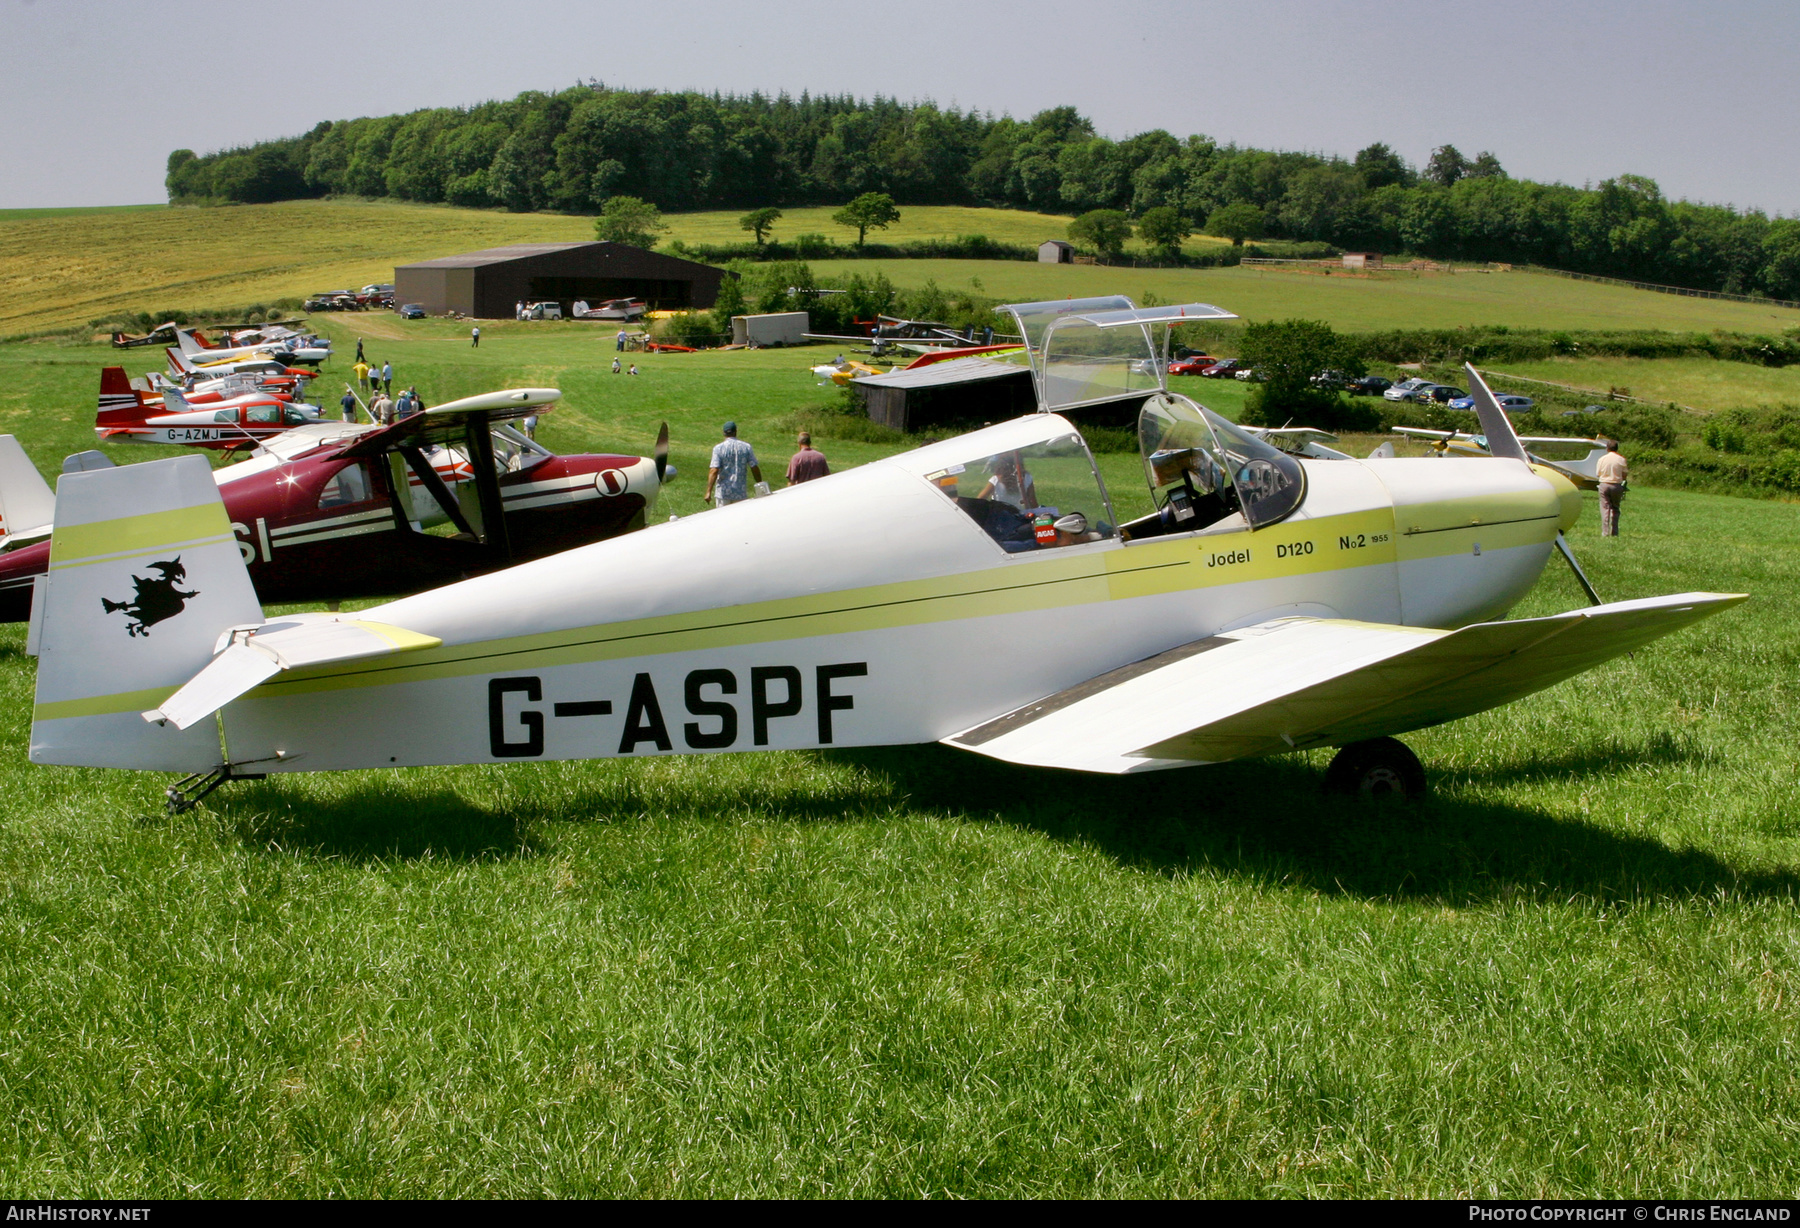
145, 575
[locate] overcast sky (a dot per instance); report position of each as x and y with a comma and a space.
1703, 98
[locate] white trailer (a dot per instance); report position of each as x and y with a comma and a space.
777, 328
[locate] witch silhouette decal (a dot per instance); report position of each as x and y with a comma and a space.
155, 600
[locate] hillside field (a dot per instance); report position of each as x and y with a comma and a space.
61, 268
1573, 972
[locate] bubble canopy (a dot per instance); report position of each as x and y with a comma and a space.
1193, 458
1088, 350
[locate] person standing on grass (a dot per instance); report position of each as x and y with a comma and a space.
732, 460
362, 374
387, 376
1613, 473
475, 337
806, 464
349, 403
359, 353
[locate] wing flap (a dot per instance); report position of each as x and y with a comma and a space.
253, 656
1300, 682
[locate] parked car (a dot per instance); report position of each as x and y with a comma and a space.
377, 289
1442, 394
1223, 369
1406, 390
1247, 374
542, 311
412, 311
1369, 386
1194, 365
1508, 401
332, 300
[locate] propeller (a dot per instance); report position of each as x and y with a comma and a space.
1502, 440
662, 453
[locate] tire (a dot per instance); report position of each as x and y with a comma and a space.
1377, 768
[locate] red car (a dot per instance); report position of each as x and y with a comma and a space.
1223, 369
1193, 364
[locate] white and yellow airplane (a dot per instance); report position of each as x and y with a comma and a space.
978, 591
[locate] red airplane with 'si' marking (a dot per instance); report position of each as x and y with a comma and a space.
331, 511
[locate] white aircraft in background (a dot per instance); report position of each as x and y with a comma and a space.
294, 348
978, 591
1576, 458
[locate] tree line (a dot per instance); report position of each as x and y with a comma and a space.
575, 150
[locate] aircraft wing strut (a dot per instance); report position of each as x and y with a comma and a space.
1300, 682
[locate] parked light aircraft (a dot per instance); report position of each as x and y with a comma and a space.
331, 511
293, 348
1577, 459
232, 421
978, 591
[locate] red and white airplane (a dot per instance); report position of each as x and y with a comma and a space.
331, 511
226, 416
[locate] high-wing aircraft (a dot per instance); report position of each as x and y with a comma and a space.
331, 511
1576, 458
979, 591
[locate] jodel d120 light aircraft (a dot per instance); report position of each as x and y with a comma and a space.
978, 591
335, 510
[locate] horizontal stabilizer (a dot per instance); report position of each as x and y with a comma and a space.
253, 656
1301, 682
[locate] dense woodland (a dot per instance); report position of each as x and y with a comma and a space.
574, 150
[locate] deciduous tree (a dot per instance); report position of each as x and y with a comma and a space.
626, 219
759, 222
870, 211
1163, 228
1102, 230
1236, 222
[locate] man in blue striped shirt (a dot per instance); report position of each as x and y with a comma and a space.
732, 460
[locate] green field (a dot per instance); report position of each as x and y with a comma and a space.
61, 268
1349, 304
1574, 972
1700, 382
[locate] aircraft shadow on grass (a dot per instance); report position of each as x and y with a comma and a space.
1270, 820
374, 824
1265, 819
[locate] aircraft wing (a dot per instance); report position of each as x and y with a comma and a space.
252, 656
449, 422
1299, 682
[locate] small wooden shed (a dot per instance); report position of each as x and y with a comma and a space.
1055, 251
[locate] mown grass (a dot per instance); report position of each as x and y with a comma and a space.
1349, 304
61, 268
1573, 972
1700, 382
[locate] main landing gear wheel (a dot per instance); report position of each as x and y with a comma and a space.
1379, 767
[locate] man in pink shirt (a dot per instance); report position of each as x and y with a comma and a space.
1612, 472
806, 464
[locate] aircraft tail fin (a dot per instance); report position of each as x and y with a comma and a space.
145, 580
178, 362
120, 403
25, 499
192, 342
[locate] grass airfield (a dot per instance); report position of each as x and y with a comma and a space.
1572, 972
62, 268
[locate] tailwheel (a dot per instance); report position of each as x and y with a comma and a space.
1379, 767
